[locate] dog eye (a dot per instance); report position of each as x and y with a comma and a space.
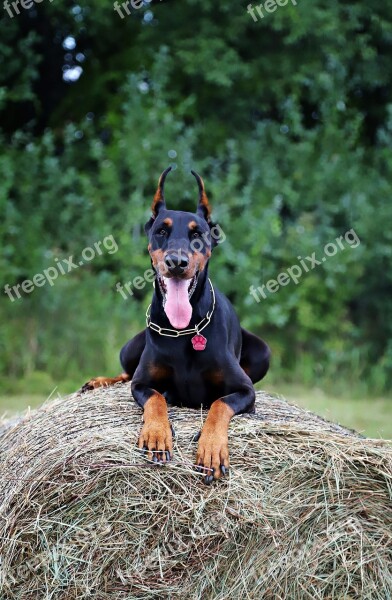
162, 232
195, 234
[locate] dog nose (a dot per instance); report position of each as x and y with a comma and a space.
176, 263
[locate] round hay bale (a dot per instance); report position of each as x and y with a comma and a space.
305, 512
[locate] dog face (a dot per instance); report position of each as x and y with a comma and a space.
180, 245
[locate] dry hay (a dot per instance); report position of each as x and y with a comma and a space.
304, 514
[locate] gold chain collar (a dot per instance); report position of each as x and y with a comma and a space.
176, 332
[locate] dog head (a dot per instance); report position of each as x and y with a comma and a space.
180, 245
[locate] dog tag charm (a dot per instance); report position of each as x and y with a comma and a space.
199, 342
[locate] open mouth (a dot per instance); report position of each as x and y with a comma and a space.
176, 295
164, 283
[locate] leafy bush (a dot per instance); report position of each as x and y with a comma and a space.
289, 120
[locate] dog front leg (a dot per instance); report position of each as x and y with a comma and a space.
213, 449
156, 437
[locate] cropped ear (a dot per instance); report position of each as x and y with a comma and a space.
159, 199
203, 208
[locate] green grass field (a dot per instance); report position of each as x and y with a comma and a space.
371, 417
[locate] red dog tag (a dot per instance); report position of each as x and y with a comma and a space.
199, 342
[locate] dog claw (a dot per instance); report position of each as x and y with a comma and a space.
158, 457
196, 437
173, 431
210, 477
85, 388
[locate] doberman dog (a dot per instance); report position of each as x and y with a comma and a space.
193, 351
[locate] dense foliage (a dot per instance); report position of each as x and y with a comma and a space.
289, 120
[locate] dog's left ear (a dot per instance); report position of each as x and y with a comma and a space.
159, 200
203, 208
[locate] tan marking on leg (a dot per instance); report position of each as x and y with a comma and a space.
158, 372
156, 432
213, 448
98, 382
215, 376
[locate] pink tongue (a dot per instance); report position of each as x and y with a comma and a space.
177, 307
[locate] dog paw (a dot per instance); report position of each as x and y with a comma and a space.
98, 382
156, 440
95, 383
213, 455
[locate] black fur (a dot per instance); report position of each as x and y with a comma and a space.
233, 359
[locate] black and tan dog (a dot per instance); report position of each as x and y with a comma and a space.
193, 351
